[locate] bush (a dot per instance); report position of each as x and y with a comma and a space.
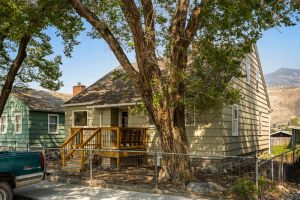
245, 189
264, 185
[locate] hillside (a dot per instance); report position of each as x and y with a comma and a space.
285, 103
283, 77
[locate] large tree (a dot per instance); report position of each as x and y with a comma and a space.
25, 49
167, 35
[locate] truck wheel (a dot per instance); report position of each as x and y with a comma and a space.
6, 192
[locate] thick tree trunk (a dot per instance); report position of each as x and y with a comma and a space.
14, 68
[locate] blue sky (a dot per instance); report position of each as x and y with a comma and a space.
92, 58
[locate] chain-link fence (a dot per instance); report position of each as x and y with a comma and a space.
149, 170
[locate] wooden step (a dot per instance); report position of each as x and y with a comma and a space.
71, 169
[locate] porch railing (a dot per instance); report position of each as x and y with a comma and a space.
110, 138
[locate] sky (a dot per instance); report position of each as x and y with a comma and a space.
92, 58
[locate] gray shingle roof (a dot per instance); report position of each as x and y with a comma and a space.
108, 90
41, 100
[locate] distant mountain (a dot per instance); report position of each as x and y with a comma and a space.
283, 77
285, 104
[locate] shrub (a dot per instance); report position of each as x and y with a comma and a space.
245, 189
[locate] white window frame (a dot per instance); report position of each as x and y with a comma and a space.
87, 117
235, 132
100, 119
248, 71
6, 124
57, 124
257, 79
15, 128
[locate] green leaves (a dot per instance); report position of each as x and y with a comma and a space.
32, 18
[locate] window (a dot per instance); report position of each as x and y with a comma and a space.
3, 124
52, 123
248, 71
100, 120
18, 123
80, 118
190, 115
257, 79
235, 120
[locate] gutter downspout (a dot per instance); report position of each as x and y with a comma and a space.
269, 133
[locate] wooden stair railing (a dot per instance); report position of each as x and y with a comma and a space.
68, 146
91, 143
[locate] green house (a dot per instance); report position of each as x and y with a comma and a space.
33, 117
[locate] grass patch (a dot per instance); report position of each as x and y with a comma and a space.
279, 149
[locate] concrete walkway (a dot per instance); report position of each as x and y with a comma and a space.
58, 191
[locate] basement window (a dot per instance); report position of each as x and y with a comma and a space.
53, 123
235, 120
80, 118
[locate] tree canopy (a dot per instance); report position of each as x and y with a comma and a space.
32, 18
26, 53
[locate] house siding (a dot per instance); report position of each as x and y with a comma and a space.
11, 138
38, 130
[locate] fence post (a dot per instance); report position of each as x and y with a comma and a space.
91, 165
272, 170
256, 172
156, 169
281, 168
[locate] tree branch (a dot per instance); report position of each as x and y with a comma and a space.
132, 15
14, 68
178, 23
193, 25
149, 18
105, 32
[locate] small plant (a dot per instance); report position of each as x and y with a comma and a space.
264, 185
245, 189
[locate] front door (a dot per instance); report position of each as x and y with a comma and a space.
124, 119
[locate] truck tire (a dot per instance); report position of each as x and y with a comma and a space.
6, 192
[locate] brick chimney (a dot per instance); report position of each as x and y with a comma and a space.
78, 88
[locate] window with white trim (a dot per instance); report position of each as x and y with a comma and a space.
53, 120
248, 71
80, 118
257, 79
235, 120
100, 119
18, 123
3, 124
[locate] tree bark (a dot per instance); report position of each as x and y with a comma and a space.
14, 68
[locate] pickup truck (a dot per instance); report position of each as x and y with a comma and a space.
19, 169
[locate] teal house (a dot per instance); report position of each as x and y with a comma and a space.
33, 117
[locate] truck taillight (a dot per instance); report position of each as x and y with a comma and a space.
42, 160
